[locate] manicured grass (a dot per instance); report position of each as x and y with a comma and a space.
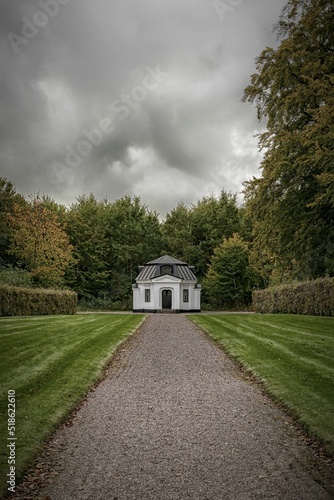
51, 362
292, 355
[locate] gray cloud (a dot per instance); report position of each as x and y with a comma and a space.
187, 136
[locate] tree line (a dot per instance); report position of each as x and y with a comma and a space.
283, 233
95, 247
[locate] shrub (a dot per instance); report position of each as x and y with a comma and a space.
16, 301
15, 277
104, 304
305, 297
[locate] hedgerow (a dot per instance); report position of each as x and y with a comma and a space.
314, 297
17, 301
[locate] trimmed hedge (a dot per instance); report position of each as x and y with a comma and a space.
17, 301
305, 297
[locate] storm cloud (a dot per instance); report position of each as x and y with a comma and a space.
139, 97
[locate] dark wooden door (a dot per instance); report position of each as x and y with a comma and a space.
166, 299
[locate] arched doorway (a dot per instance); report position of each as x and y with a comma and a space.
166, 299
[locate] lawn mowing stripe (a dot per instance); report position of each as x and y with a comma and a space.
295, 330
322, 358
265, 343
285, 350
43, 368
295, 366
48, 387
45, 349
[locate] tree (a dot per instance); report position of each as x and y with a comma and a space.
134, 237
8, 199
229, 279
192, 233
177, 233
212, 219
37, 239
292, 203
53, 206
87, 230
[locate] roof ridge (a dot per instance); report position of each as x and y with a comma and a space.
166, 259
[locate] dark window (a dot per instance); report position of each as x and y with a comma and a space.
166, 269
147, 295
185, 295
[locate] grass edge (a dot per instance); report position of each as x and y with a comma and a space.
321, 450
30, 470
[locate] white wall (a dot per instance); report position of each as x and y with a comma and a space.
136, 297
174, 287
166, 283
197, 298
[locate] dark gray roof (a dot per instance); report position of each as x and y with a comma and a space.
153, 269
166, 259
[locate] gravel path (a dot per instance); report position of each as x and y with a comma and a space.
174, 420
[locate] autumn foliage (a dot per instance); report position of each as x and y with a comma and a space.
38, 240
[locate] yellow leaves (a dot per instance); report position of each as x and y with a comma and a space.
325, 195
39, 241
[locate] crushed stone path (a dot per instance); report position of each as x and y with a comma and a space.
175, 420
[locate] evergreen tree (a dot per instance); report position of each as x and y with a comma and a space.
191, 234
212, 220
87, 229
134, 238
229, 279
177, 233
8, 199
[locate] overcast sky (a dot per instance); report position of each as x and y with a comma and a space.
138, 97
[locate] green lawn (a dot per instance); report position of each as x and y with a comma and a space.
292, 355
51, 362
